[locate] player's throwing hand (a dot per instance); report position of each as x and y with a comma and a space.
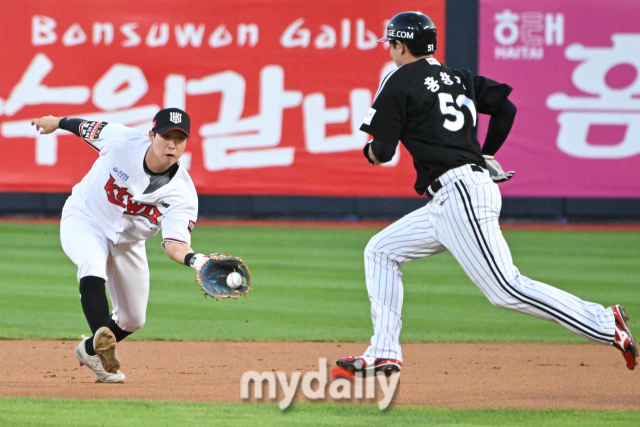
46, 125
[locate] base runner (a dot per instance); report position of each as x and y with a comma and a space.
433, 110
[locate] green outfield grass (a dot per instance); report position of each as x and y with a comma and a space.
123, 413
309, 285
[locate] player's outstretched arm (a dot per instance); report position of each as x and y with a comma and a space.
177, 251
50, 124
46, 125
91, 132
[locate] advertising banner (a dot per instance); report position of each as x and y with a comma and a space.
276, 89
575, 69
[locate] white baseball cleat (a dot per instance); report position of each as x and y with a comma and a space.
95, 364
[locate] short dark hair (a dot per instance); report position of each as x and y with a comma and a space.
393, 43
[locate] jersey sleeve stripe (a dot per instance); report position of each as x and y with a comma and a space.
384, 81
170, 239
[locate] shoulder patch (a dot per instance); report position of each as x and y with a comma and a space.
191, 226
367, 119
91, 130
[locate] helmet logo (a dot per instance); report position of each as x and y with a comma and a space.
400, 34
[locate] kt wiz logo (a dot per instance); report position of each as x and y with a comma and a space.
119, 196
175, 117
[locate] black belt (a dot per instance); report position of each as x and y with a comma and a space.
437, 185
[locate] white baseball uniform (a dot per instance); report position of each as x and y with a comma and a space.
108, 218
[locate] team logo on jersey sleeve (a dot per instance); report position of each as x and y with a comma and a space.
369, 116
119, 196
91, 130
191, 226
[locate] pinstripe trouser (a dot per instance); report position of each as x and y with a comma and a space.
463, 218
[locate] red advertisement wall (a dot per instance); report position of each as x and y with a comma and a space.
276, 89
575, 70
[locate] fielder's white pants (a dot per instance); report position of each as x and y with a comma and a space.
463, 218
123, 266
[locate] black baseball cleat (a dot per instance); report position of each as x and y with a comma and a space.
348, 366
623, 340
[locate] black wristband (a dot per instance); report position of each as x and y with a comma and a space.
187, 258
71, 124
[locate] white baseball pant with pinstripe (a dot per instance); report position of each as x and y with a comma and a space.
463, 218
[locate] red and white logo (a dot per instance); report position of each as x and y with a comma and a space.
119, 196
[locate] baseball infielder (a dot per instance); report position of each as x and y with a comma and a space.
433, 110
135, 188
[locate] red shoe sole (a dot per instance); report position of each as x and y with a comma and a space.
339, 372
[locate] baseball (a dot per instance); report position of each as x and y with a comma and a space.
234, 280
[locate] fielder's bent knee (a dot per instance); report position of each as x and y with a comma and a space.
372, 247
375, 254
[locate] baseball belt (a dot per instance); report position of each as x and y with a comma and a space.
437, 185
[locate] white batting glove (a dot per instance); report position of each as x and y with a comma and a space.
495, 170
198, 261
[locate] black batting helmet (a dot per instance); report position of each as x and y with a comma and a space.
414, 29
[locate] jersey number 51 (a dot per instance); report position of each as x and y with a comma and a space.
450, 110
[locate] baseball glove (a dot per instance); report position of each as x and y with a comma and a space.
212, 277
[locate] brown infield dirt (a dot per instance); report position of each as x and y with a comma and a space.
527, 376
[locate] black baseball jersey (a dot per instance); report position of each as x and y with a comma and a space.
433, 110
